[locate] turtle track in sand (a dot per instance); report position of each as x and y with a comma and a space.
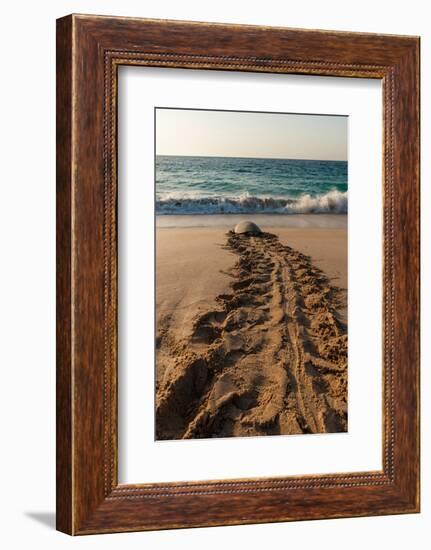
270, 359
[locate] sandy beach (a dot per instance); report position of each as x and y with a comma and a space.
251, 331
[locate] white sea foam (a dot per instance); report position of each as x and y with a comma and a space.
333, 202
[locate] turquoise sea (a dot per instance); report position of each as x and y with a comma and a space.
226, 185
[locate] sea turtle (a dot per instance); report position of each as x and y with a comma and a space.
247, 227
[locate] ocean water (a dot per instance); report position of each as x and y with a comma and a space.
225, 185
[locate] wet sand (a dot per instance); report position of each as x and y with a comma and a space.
251, 334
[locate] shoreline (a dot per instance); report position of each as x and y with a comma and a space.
323, 221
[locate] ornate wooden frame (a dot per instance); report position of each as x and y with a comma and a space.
89, 51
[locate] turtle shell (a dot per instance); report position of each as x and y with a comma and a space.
247, 227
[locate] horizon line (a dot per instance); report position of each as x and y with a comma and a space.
246, 157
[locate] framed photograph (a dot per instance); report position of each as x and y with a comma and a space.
237, 274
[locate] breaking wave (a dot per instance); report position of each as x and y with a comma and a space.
333, 202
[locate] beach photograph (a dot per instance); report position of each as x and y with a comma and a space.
251, 274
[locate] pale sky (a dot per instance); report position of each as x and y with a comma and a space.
243, 134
